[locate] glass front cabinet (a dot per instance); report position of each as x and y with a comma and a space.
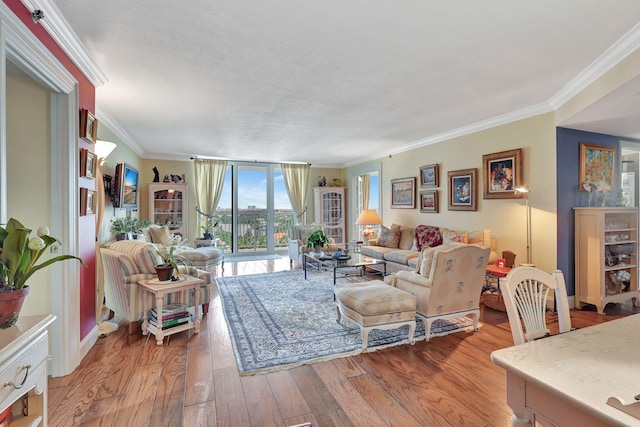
330, 212
606, 246
168, 206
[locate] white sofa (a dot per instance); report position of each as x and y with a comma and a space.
405, 256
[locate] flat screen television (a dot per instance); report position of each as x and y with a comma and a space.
126, 187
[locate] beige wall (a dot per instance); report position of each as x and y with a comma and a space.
29, 175
504, 217
121, 154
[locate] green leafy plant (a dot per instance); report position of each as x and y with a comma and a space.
209, 226
19, 254
317, 238
127, 225
173, 260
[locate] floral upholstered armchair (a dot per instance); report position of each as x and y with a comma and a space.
298, 236
447, 282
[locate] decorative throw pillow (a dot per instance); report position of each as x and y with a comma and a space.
389, 237
428, 236
161, 235
455, 236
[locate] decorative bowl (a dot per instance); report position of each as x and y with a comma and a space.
618, 250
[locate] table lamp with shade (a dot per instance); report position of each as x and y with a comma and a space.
368, 218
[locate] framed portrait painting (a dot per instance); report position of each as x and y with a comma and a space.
502, 173
597, 163
429, 176
429, 201
403, 191
87, 163
463, 190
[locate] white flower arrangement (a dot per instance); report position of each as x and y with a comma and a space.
600, 186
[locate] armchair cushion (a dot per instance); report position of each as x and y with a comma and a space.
143, 254
161, 235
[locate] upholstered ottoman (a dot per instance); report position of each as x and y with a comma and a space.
376, 305
204, 257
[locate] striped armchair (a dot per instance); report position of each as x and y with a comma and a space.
125, 263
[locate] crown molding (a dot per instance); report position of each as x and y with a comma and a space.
622, 48
58, 28
114, 127
503, 119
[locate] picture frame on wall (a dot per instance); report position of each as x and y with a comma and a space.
597, 163
87, 202
403, 192
429, 201
88, 163
502, 173
88, 126
463, 190
429, 175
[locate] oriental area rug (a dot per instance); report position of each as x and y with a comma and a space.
280, 320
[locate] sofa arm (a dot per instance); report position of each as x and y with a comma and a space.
294, 249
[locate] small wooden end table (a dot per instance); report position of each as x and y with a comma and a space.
159, 289
491, 290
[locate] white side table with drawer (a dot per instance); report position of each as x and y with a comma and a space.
24, 349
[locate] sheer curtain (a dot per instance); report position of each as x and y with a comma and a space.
365, 188
296, 180
209, 182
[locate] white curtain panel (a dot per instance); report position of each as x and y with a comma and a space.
296, 180
209, 182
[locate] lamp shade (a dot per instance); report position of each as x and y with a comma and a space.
104, 148
368, 217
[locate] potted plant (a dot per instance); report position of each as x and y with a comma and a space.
18, 257
170, 262
208, 228
138, 226
317, 240
120, 227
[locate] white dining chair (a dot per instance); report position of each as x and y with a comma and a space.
525, 291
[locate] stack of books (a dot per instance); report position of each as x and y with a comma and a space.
172, 315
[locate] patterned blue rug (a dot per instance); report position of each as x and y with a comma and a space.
280, 320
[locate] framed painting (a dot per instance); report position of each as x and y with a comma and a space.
502, 173
403, 191
597, 164
87, 163
87, 202
88, 126
462, 190
429, 176
429, 201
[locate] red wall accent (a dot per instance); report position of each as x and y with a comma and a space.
87, 99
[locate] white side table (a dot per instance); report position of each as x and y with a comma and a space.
159, 289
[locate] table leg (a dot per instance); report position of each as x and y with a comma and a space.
145, 311
197, 309
159, 334
304, 265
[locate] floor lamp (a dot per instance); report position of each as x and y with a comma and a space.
102, 150
524, 192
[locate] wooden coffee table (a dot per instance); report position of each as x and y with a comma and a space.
159, 289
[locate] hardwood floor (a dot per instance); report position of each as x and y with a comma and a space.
192, 380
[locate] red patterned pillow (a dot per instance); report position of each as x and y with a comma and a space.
428, 236
389, 237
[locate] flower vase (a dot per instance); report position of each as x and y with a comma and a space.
10, 305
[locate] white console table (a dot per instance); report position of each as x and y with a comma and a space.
24, 349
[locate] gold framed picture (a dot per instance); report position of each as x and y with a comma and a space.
403, 193
463, 190
597, 164
429, 176
87, 202
88, 126
502, 173
429, 201
88, 163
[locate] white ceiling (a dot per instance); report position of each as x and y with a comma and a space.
334, 82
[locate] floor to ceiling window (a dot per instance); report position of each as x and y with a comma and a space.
254, 209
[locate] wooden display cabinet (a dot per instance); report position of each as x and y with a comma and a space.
606, 248
168, 205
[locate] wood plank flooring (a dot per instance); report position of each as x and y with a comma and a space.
192, 380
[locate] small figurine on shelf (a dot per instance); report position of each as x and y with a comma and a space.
156, 175
166, 179
322, 181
